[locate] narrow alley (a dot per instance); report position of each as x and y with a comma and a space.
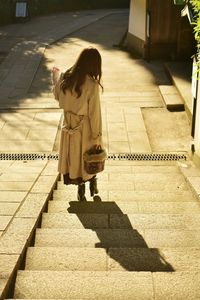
139, 238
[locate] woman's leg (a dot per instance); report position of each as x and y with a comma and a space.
81, 192
93, 186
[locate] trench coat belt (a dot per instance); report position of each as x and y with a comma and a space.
70, 130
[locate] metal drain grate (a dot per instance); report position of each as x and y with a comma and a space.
27, 156
118, 156
147, 156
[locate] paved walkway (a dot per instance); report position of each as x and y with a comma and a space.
134, 115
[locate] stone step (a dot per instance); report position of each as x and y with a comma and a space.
138, 175
171, 98
117, 221
117, 238
107, 285
142, 182
142, 163
70, 194
125, 177
122, 207
112, 259
137, 169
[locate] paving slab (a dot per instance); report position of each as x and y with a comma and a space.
16, 237
43, 184
83, 238
154, 196
118, 169
6, 134
45, 134
106, 186
32, 206
139, 259
66, 259
172, 238
180, 285
62, 220
124, 221
51, 168
134, 122
168, 207
154, 221
113, 259
24, 146
154, 260
113, 115
12, 196
119, 147
147, 177
25, 167
4, 221
8, 264
142, 162
8, 209
103, 238
160, 185
17, 177
150, 185
26, 137
139, 142
113, 195
97, 207
4, 165
124, 207
16, 116
98, 285
156, 169
15, 186
117, 132
71, 195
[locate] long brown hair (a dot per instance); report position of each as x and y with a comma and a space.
88, 63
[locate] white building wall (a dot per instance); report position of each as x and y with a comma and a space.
137, 19
197, 123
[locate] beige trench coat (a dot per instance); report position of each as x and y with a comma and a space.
82, 127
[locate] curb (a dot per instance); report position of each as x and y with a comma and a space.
180, 92
191, 174
21, 230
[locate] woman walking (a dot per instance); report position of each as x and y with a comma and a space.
77, 91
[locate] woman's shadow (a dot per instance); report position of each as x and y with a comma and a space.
123, 244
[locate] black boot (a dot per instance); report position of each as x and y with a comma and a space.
93, 186
81, 192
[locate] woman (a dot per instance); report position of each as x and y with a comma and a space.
77, 91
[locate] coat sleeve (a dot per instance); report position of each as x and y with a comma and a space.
95, 114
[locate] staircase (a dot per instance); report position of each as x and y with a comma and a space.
139, 239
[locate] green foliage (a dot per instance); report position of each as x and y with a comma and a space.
196, 6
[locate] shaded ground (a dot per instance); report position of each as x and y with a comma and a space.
167, 131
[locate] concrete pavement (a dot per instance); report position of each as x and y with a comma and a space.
134, 117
